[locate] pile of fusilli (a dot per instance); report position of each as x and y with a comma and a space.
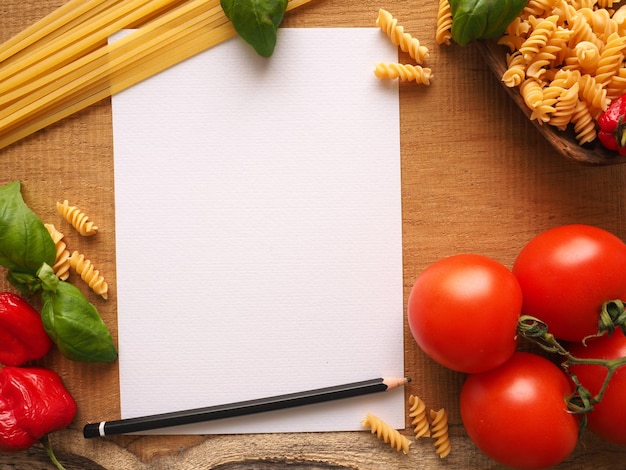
566, 57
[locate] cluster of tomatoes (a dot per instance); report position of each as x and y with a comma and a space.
464, 312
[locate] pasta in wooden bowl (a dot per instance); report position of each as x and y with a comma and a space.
564, 142
563, 65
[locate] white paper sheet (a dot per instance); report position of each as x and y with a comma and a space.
258, 231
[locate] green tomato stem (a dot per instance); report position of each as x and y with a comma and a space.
581, 401
612, 315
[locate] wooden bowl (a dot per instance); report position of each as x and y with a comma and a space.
564, 142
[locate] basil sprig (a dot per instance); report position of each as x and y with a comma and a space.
72, 322
27, 251
256, 21
24, 241
482, 19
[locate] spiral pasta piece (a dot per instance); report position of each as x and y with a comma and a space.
565, 107
443, 34
593, 93
439, 432
385, 432
532, 92
405, 72
539, 7
89, 274
417, 411
611, 58
584, 124
405, 41
61, 265
515, 74
617, 86
77, 219
587, 56
539, 37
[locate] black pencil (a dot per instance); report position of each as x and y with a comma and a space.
197, 415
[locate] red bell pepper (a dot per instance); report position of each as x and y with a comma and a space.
612, 124
22, 335
33, 403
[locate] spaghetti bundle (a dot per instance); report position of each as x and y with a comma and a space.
63, 63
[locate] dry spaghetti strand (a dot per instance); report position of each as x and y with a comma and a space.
70, 83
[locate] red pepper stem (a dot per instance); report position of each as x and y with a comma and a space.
46, 444
620, 132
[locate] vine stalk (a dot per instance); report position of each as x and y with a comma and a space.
46, 444
581, 401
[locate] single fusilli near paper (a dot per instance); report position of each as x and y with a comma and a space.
443, 33
405, 41
386, 433
89, 274
405, 72
61, 265
77, 219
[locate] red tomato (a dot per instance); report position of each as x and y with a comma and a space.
516, 414
608, 417
463, 312
567, 273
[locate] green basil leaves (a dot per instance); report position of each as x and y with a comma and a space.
27, 251
482, 19
24, 241
72, 322
256, 21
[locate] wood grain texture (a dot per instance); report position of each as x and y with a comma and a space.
477, 177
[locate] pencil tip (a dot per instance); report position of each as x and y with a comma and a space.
408, 379
396, 382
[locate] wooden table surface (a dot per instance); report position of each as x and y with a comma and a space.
476, 177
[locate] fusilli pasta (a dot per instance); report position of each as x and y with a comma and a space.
77, 219
515, 74
385, 432
586, 38
61, 265
406, 72
439, 432
89, 274
443, 34
405, 41
417, 411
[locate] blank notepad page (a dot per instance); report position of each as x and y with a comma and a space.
259, 232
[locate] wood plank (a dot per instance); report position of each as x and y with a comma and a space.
477, 177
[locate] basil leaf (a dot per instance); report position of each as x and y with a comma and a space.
482, 19
25, 282
72, 322
24, 241
256, 21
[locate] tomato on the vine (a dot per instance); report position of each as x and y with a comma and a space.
463, 312
517, 414
567, 273
608, 417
